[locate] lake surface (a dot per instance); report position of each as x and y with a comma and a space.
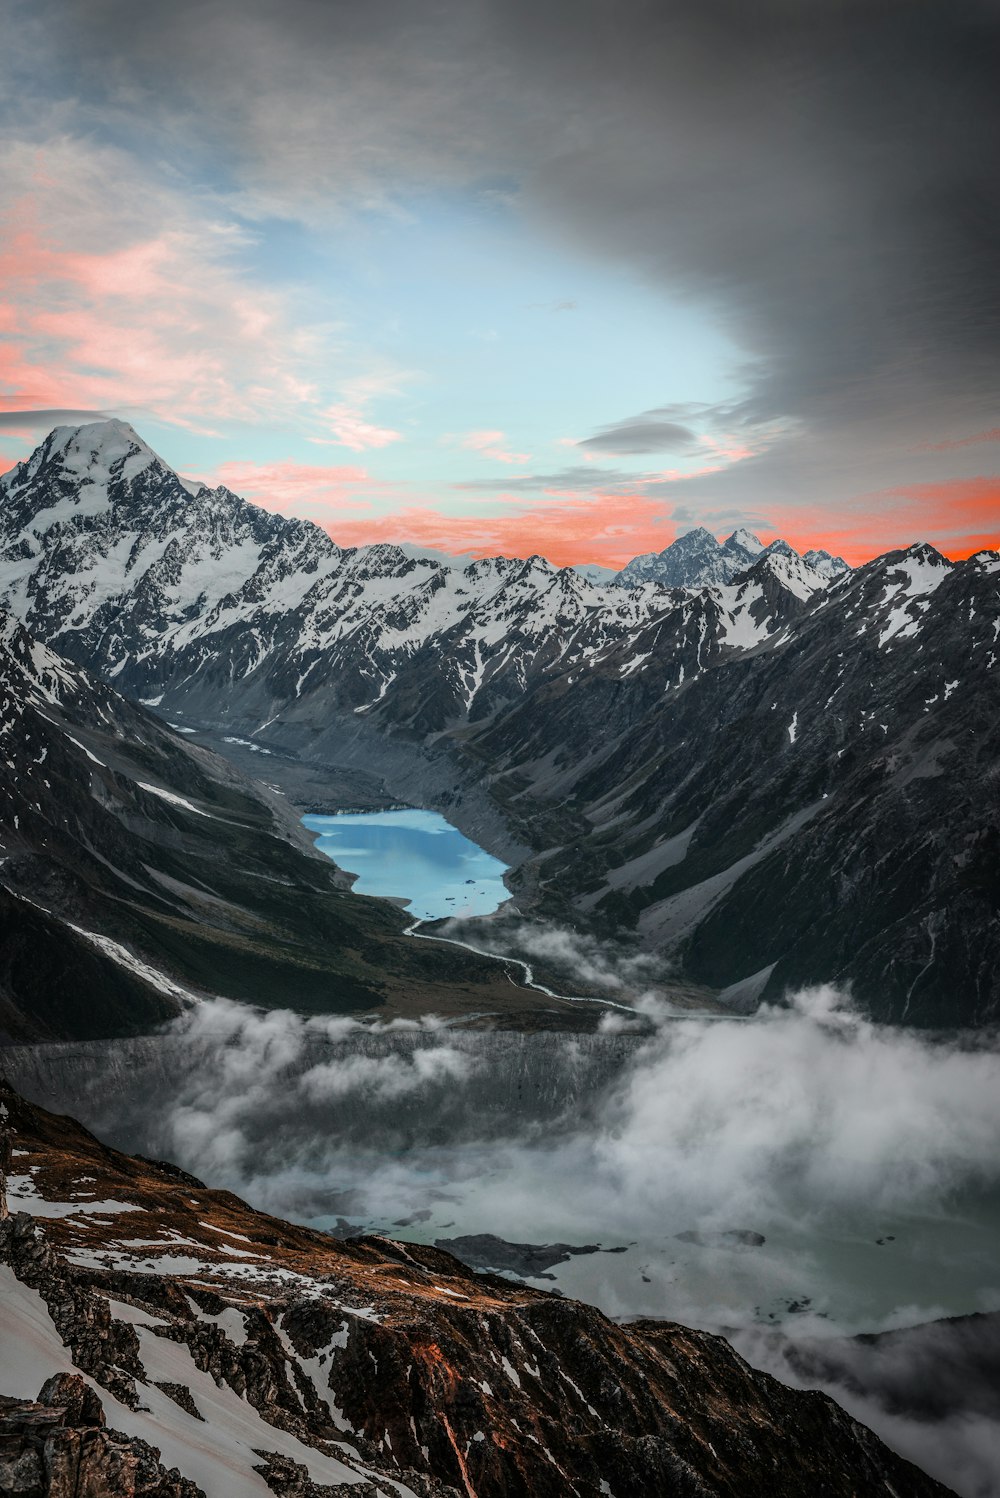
415, 856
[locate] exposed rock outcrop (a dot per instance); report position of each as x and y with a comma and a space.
311, 1364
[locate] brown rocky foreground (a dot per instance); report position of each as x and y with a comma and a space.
158, 1338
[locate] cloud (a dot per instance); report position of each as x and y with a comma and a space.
819, 187
245, 1066
350, 429
930, 1391
803, 1115
559, 481
651, 432
609, 527
299, 488
490, 445
957, 515
808, 1124
122, 290
821, 183
993, 435
575, 956
119, 293
20, 421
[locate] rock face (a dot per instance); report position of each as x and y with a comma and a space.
784, 775
698, 560
254, 1357
823, 808
58, 1446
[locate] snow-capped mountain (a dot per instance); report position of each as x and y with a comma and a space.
698, 560
107, 555
673, 754
164, 1340
820, 808
138, 869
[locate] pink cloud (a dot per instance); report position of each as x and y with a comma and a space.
350, 429
166, 320
490, 445
302, 489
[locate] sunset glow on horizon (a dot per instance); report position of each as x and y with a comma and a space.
452, 306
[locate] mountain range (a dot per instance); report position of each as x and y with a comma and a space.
771, 769
698, 560
138, 870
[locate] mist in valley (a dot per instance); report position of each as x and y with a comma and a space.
862, 1157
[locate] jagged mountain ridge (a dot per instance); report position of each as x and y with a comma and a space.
136, 867
822, 809
780, 779
107, 556
251, 1357
698, 560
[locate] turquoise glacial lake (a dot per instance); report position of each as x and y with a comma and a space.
415, 856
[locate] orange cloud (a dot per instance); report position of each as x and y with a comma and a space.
597, 528
302, 489
958, 516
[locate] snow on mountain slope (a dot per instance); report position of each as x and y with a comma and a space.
596, 722
818, 806
108, 555
698, 560
138, 869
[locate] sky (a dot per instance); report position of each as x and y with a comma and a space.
492, 276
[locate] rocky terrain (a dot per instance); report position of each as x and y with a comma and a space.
108, 557
138, 869
775, 772
823, 807
161, 1338
698, 560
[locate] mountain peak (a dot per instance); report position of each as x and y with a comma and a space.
692, 540
743, 540
695, 559
88, 455
96, 443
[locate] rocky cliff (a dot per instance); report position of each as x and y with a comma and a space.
235, 1354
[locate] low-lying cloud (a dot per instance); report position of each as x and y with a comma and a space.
863, 1158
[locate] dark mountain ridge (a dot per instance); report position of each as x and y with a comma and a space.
779, 779
138, 870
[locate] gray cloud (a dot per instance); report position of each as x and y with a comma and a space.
809, 1124
802, 1116
651, 432
11, 420
820, 178
824, 174
930, 1390
582, 477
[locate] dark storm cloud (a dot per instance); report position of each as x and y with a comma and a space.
651, 432
820, 176
825, 172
